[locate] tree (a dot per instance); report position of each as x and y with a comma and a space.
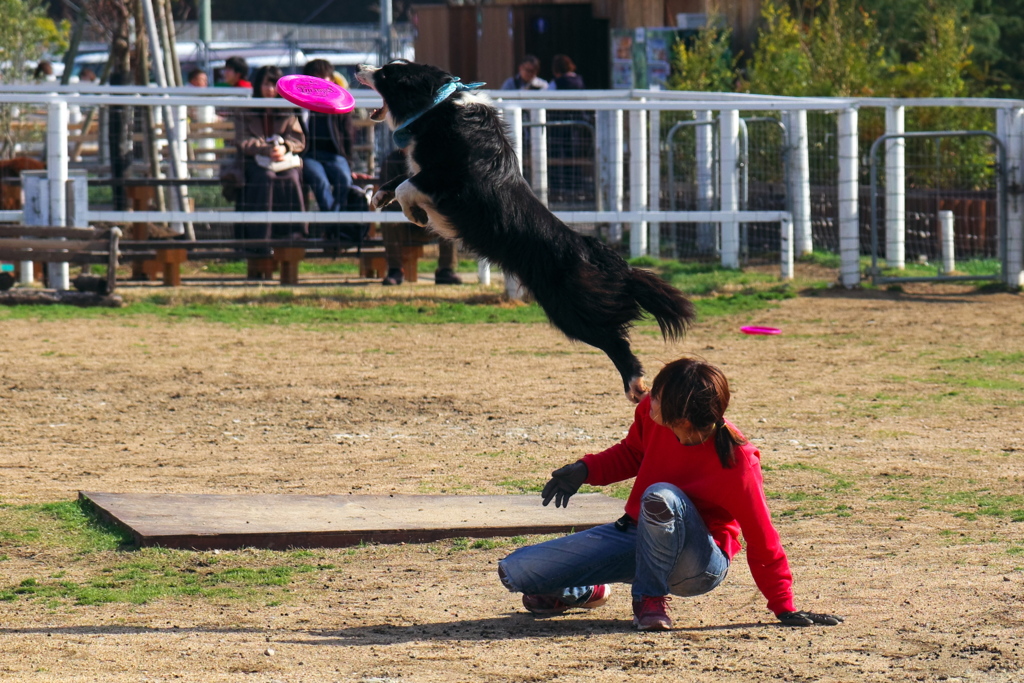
781, 63
706, 65
26, 35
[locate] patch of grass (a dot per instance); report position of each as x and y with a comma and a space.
981, 267
702, 279
521, 485
825, 259
994, 359
744, 302
66, 524
150, 577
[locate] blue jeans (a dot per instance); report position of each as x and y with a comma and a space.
329, 177
668, 551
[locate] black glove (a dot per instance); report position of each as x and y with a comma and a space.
809, 618
565, 481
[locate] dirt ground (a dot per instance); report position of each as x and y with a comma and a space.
890, 425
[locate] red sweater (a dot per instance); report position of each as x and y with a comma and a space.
729, 500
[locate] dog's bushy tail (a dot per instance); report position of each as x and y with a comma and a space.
673, 311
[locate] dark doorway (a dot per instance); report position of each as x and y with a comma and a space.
548, 30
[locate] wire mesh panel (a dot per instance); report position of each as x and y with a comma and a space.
763, 185
823, 159
957, 173
689, 182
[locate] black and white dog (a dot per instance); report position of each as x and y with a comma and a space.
464, 183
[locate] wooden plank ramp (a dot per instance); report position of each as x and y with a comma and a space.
279, 522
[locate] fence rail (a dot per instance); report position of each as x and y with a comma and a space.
771, 193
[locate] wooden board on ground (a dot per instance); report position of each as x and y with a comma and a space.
278, 522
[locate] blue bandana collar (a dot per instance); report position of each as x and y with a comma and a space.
403, 137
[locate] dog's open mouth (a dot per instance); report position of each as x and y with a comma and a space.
365, 75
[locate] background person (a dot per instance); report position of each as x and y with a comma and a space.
565, 181
234, 73
197, 78
266, 138
43, 71
526, 77
326, 169
397, 235
566, 77
698, 486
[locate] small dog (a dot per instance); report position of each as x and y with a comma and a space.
464, 183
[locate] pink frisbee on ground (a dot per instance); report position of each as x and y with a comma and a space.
752, 329
316, 94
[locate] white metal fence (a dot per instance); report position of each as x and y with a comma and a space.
630, 159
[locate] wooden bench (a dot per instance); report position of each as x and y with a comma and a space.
375, 263
163, 258
44, 244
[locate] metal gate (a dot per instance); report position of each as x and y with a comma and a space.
705, 183
1001, 205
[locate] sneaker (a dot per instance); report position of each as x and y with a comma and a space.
547, 605
650, 613
446, 276
395, 276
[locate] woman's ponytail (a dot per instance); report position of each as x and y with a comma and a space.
726, 440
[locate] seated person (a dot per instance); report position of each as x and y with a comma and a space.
526, 77
396, 235
325, 166
269, 142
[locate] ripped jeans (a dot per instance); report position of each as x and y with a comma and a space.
669, 551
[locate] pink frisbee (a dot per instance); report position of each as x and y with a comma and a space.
751, 329
316, 94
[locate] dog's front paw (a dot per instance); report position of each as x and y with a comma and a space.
380, 199
637, 389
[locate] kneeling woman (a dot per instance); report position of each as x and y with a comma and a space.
698, 486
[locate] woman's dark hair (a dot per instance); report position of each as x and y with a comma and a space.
263, 73
562, 65
690, 389
318, 68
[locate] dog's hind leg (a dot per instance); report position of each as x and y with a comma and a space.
626, 362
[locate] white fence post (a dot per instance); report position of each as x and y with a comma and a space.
729, 153
514, 116
36, 187
204, 117
895, 189
638, 179
948, 257
786, 248
57, 179
654, 181
849, 196
539, 154
800, 182
707, 233
1010, 126
615, 200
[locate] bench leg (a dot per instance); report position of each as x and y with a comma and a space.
372, 265
410, 262
260, 268
171, 260
289, 258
